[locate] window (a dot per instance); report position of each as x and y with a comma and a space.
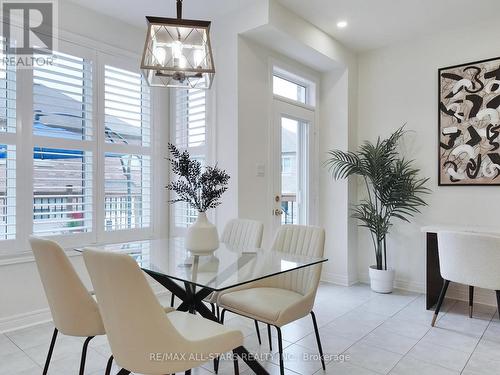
289, 89
189, 109
7, 149
127, 176
126, 107
62, 176
62, 98
127, 185
293, 87
7, 94
84, 163
62, 191
7, 192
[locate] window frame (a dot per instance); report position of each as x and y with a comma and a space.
24, 140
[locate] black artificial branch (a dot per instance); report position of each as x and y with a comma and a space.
200, 187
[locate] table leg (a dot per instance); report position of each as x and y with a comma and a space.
434, 281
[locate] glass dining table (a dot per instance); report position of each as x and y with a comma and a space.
192, 278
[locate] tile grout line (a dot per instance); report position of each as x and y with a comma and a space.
22, 351
407, 353
401, 309
470, 356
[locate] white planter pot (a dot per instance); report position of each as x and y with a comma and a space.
202, 237
381, 281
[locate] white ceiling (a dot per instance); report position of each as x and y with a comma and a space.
376, 23
372, 23
134, 11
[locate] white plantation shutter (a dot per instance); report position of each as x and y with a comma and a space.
127, 165
62, 98
127, 191
7, 94
84, 162
7, 192
190, 119
189, 107
8, 161
126, 107
62, 191
62, 168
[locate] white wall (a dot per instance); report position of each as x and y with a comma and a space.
255, 122
397, 85
320, 56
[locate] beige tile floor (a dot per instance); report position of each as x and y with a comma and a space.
362, 333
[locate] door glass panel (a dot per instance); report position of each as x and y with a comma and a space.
294, 171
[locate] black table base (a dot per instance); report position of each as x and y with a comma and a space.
192, 301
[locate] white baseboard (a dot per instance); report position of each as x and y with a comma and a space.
481, 296
32, 318
333, 278
410, 286
19, 321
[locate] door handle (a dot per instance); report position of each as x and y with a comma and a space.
278, 212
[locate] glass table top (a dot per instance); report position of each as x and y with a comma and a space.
226, 268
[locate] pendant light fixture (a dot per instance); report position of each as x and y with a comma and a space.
177, 52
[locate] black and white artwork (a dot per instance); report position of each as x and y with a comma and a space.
469, 125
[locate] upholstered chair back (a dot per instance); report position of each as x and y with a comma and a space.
470, 258
243, 233
74, 310
136, 324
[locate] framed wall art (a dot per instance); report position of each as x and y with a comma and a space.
469, 123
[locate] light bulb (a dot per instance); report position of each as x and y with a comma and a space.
177, 52
182, 62
160, 55
198, 57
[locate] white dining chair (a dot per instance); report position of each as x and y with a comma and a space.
73, 309
143, 338
468, 258
283, 298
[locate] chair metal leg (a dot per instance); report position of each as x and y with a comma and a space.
216, 360
318, 340
269, 337
108, 366
216, 365
84, 354
172, 300
440, 301
498, 301
280, 350
258, 332
218, 313
235, 363
49, 354
213, 308
471, 299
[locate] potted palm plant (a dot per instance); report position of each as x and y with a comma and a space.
201, 188
394, 191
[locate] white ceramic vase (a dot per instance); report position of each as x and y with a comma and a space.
202, 237
381, 281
